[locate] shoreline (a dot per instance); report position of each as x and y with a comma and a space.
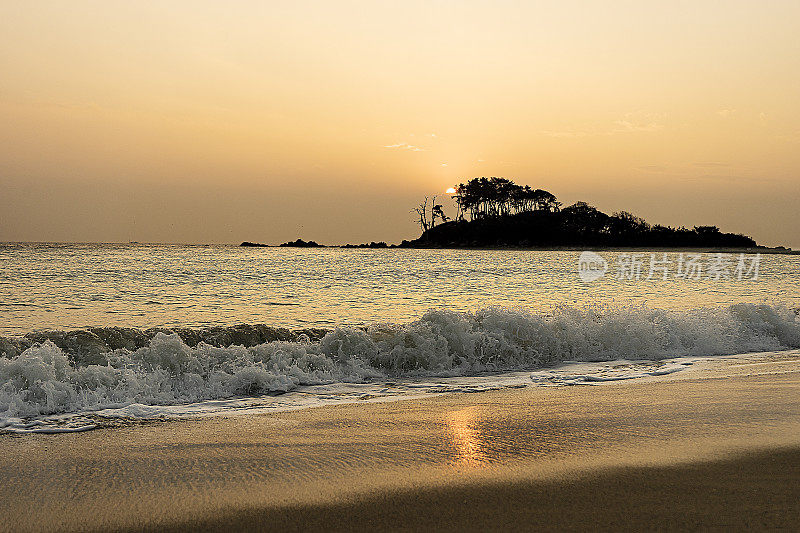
757, 250
776, 250
383, 462
769, 251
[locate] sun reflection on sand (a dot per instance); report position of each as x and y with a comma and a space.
465, 438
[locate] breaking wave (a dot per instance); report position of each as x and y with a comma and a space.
64, 372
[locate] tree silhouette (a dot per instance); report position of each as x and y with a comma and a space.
496, 211
492, 197
422, 215
438, 212
500, 212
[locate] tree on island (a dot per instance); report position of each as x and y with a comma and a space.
422, 215
486, 197
498, 212
436, 211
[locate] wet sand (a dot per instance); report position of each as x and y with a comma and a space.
718, 449
754, 492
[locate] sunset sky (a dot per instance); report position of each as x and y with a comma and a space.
201, 121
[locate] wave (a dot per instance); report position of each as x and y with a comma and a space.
88, 346
88, 370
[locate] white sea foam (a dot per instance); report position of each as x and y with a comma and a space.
621, 370
167, 377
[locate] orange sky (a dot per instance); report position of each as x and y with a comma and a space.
227, 121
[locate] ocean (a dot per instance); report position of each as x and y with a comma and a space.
91, 332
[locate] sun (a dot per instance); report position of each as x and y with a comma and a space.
451, 190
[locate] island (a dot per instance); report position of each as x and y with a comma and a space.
299, 243
498, 213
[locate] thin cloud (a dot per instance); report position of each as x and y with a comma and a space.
627, 126
405, 146
629, 123
653, 168
710, 164
639, 122
725, 178
791, 137
566, 134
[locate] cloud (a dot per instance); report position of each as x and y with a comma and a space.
725, 178
405, 146
790, 137
710, 164
725, 113
639, 122
653, 168
629, 123
689, 169
626, 126
566, 134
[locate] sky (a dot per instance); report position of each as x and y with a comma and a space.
212, 122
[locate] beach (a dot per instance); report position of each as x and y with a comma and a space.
714, 447
399, 266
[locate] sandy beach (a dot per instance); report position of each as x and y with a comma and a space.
715, 448
399, 266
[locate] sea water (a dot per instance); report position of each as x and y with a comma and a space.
141, 331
